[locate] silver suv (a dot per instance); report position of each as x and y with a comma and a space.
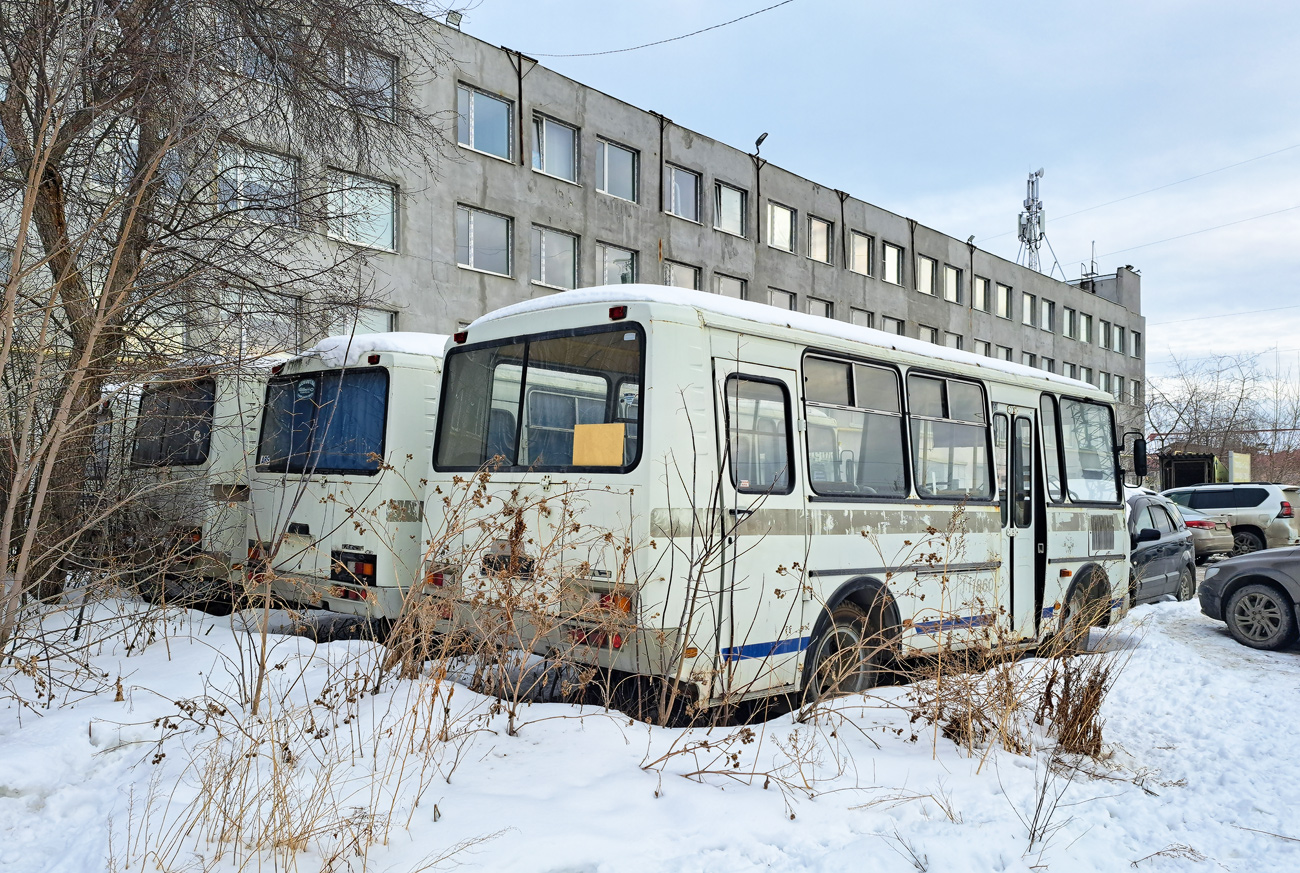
1261, 514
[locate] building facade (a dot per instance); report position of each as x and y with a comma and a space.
556, 185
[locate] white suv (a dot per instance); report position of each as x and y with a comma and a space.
1261, 514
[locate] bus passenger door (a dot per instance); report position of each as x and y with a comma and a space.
1018, 486
764, 527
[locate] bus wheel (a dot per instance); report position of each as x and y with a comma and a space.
846, 657
1088, 607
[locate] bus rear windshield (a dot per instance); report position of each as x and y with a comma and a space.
1088, 444
555, 403
324, 422
175, 424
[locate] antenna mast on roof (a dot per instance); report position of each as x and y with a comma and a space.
1033, 222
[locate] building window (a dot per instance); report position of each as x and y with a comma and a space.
482, 240
681, 275
1047, 315
616, 170
952, 340
1136, 394
1085, 373
819, 239
1004, 301
259, 185
729, 286
929, 334
1029, 359
729, 208
1135, 347
860, 253
1068, 322
483, 122
780, 227
1105, 381
892, 325
617, 266
1004, 353
980, 294
861, 317
1071, 370
781, 299
982, 347
1085, 328
683, 193
1118, 343
893, 264
951, 284
925, 274
371, 80
555, 258
1117, 387
363, 211
1027, 303
1047, 364
820, 307
555, 148
1103, 334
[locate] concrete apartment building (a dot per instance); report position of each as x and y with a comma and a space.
556, 185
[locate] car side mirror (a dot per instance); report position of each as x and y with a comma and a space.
1146, 535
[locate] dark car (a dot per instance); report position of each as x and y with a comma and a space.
1162, 555
1256, 595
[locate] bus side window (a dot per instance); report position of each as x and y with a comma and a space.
855, 433
758, 435
950, 443
1001, 430
1051, 447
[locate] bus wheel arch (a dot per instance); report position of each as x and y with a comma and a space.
1086, 605
861, 613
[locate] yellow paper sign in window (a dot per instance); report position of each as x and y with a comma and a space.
598, 445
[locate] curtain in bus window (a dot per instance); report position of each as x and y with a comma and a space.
1087, 442
287, 424
759, 435
175, 424
349, 432
951, 460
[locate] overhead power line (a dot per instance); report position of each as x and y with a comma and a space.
1224, 315
1157, 188
1196, 232
662, 41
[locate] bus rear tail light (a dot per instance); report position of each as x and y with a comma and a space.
595, 638
617, 313
372, 359
357, 568
438, 576
1286, 511
616, 603
459, 337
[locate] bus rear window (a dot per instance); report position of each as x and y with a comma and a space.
324, 422
555, 403
174, 428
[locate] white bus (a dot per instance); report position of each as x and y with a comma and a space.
189, 458
338, 489
792, 485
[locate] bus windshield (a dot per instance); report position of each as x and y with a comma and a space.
324, 422
555, 403
175, 424
1088, 442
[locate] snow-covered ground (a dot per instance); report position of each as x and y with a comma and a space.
1201, 766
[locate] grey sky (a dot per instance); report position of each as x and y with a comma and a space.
939, 110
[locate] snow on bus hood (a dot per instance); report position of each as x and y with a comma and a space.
763, 313
345, 351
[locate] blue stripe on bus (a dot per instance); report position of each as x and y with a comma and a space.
1049, 611
765, 650
946, 624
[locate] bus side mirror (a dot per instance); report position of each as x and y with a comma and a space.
1140, 457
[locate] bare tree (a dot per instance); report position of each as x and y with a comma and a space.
178, 177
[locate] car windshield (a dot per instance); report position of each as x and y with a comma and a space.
549, 403
324, 422
1088, 443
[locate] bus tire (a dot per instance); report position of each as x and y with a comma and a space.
1087, 605
846, 656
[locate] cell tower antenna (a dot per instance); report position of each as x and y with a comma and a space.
1033, 221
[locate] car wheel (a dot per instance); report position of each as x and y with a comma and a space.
846, 657
1261, 616
1246, 541
1186, 585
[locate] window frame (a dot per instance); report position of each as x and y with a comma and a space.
670, 195
668, 266
1047, 315
791, 465
602, 169
809, 301
918, 272
331, 228
900, 322
899, 260
510, 241
901, 415
718, 185
1119, 478
987, 428
1028, 309
340, 373
540, 120
854, 236
1005, 295
830, 239
511, 133
577, 256
956, 274
772, 206
717, 285
980, 294
602, 249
